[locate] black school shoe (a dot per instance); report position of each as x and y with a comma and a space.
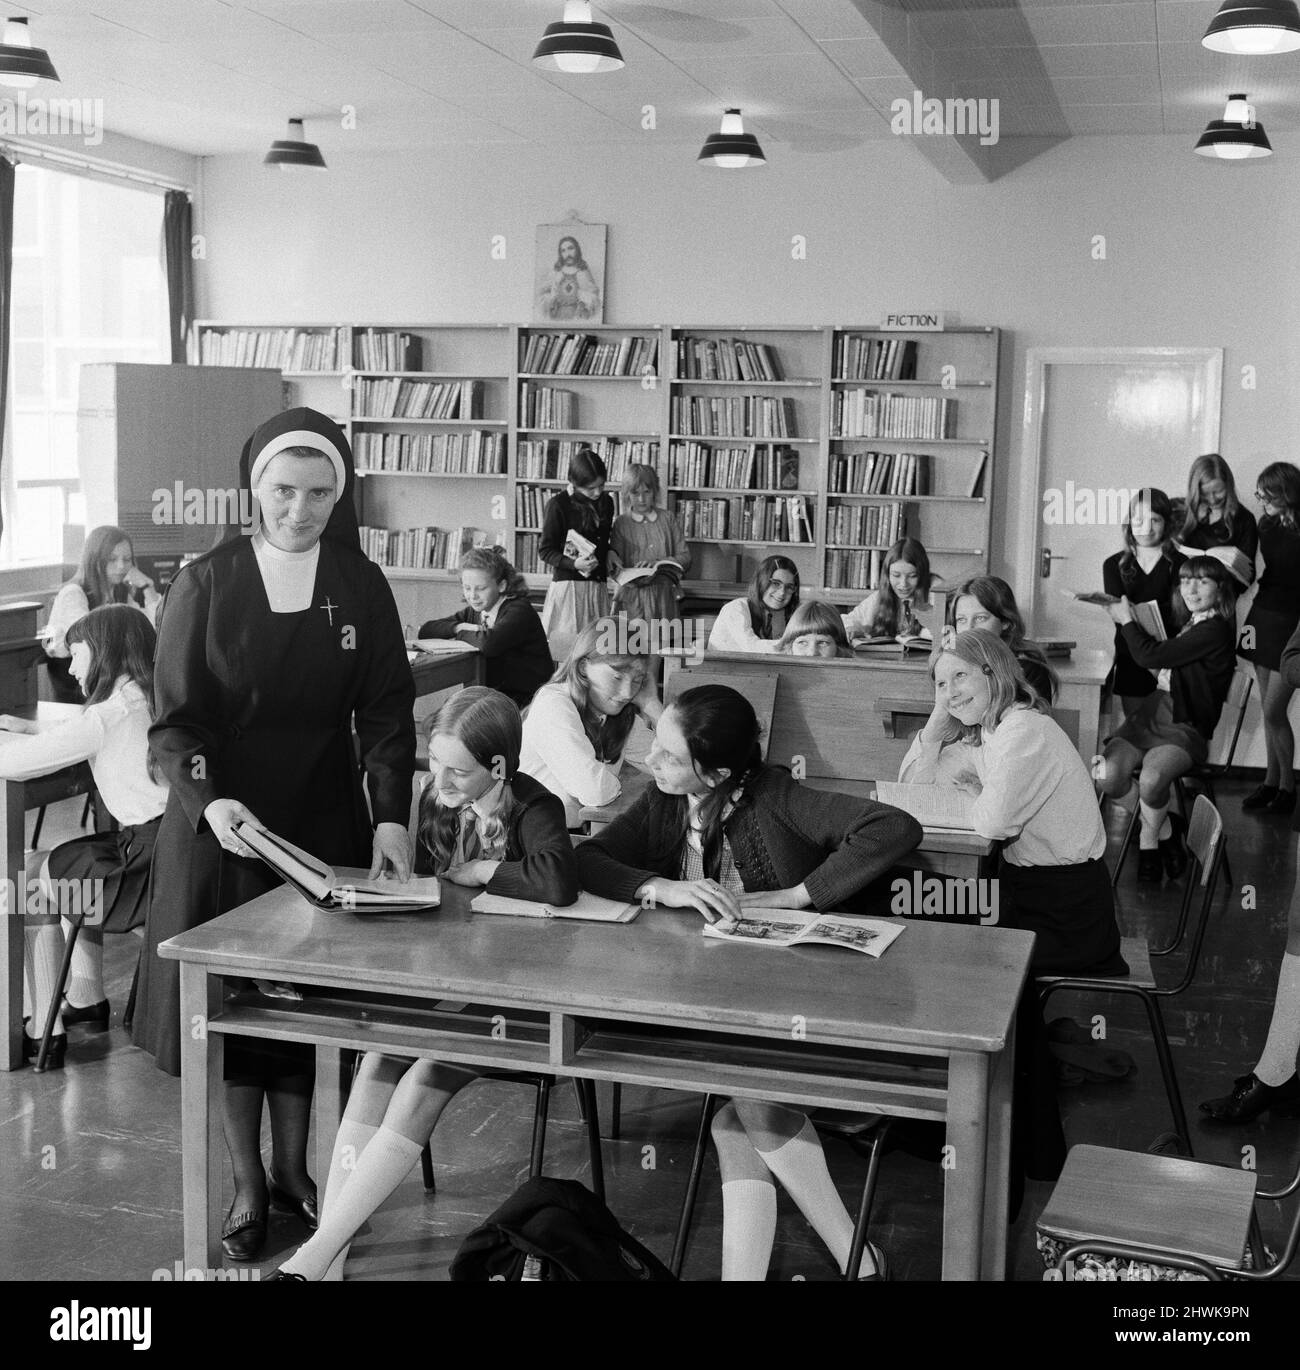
1250, 1097
1173, 850
1150, 867
1260, 797
1282, 802
94, 1016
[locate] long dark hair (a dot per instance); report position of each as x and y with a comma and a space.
1207, 568
721, 732
888, 615
92, 574
997, 598
122, 642
758, 611
585, 468
1161, 506
487, 724
1280, 481
1211, 466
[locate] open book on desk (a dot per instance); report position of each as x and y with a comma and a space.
935, 807
799, 928
322, 886
904, 642
665, 566
589, 907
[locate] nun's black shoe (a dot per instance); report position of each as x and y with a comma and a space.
1260, 797
1150, 869
1173, 850
1250, 1097
93, 1015
1282, 802
244, 1234
305, 1207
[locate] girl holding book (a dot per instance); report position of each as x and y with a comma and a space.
1172, 728
1215, 521
756, 623
887, 611
988, 604
1145, 572
579, 564
815, 629
482, 822
500, 622
1272, 620
111, 651
644, 535
577, 726
718, 833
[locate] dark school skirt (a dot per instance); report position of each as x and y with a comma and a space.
1071, 911
1273, 630
1152, 724
121, 860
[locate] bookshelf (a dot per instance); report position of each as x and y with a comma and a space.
824, 444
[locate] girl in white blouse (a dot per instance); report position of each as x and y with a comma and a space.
756, 623
112, 651
577, 726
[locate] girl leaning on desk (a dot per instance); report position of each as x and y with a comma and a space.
721, 832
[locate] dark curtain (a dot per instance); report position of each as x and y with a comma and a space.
177, 228
6, 282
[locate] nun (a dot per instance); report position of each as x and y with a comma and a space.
270, 648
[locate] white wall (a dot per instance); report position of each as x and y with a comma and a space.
1197, 255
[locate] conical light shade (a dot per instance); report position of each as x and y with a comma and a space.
22, 65
732, 148
576, 45
293, 150
1254, 29
1235, 137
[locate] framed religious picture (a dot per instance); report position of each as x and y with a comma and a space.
569, 273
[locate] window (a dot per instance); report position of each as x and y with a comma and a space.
88, 286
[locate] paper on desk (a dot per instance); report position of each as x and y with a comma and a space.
436, 646
936, 807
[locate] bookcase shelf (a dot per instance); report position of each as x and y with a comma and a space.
632, 419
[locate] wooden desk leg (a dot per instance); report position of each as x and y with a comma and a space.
997, 1173
202, 1055
331, 1091
965, 1159
11, 941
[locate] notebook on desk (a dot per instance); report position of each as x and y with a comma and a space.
937, 808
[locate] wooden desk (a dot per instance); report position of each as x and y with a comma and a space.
434, 671
16, 797
925, 1032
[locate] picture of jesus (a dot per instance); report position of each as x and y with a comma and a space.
568, 288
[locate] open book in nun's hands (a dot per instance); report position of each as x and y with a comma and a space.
799, 928
321, 885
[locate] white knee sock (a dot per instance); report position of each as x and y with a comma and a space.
748, 1228
800, 1165
381, 1167
86, 973
349, 1144
1277, 1064
42, 953
1155, 825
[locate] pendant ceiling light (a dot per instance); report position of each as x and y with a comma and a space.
576, 45
1236, 136
1254, 30
22, 65
731, 148
293, 150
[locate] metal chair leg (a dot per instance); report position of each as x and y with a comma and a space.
1124, 844
692, 1185
36, 831
539, 1127
56, 999
1165, 1057
128, 1014
616, 1111
426, 1169
591, 1117
859, 1243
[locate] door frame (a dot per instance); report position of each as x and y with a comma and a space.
1038, 360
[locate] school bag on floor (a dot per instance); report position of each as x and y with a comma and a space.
566, 1228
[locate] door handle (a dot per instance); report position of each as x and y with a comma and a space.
1048, 556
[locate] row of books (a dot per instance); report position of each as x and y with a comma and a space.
583, 354
542, 406
733, 468
741, 416
752, 518
528, 556
726, 359
549, 458
873, 414
382, 349
880, 473
871, 525
530, 505
874, 359
853, 570
283, 349
397, 399
420, 549
475, 453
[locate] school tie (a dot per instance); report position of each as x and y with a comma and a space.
470, 848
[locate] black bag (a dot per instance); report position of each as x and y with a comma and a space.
568, 1229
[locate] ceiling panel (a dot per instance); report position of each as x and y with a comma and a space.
1127, 23
1135, 119
1084, 60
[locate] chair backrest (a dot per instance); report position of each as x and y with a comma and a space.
1238, 697
1205, 846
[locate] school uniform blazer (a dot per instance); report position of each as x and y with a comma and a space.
1202, 660
516, 656
539, 862
781, 834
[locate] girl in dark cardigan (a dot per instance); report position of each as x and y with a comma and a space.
481, 822
719, 833
1171, 731
577, 595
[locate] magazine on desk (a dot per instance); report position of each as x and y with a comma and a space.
799, 928
322, 886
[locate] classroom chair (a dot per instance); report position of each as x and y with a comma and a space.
1205, 850
1203, 774
1166, 1210
865, 1133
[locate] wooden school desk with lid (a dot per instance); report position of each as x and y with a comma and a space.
926, 1031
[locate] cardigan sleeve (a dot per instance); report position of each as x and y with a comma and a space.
446, 627
516, 624
547, 872
1198, 641
733, 631
555, 531
614, 863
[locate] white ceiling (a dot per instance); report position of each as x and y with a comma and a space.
221, 76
